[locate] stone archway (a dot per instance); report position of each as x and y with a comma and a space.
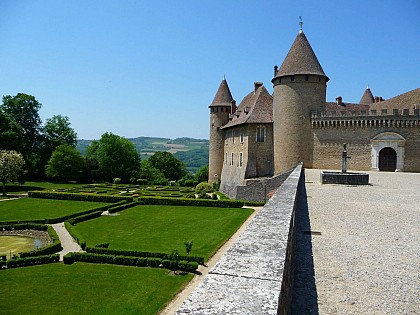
387, 160
392, 158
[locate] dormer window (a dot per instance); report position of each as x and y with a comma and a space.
292, 78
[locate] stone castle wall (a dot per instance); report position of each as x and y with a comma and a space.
329, 136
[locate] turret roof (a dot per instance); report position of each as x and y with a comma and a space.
223, 96
301, 59
367, 97
256, 107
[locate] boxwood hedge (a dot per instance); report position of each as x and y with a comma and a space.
77, 196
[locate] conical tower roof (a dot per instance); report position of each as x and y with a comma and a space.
301, 59
367, 97
223, 96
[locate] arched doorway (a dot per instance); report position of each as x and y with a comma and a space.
387, 160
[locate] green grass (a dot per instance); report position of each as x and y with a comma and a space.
34, 208
87, 289
13, 188
165, 228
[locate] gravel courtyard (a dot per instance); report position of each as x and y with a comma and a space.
365, 245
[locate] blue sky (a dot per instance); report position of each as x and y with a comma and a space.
151, 68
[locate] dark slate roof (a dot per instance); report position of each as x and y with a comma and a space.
301, 59
367, 97
223, 96
256, 107
406, 100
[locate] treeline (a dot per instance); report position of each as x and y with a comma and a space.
49, 151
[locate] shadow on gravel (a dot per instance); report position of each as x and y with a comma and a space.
304, 294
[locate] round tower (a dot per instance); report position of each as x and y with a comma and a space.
299, 89
220, 110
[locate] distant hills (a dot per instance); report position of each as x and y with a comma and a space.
193, 152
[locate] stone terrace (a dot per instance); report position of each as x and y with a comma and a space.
365, 246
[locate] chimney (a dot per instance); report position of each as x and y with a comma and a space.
276, 68
233, 107
339, 100
257, 85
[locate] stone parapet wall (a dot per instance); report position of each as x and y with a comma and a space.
254, 276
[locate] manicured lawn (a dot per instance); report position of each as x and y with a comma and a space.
10, 245
16, 188
87, 289
165, 228
33, 208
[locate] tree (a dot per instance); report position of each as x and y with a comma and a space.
203, 189
171, 167
11, 162
57, 131
202, 174
65, 163
24, 109
115, 157
11, 134
151, 174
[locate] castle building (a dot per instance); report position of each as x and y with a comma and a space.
253, 145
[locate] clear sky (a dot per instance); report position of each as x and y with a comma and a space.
152, 68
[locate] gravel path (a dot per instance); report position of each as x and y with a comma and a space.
367, 258
67, 241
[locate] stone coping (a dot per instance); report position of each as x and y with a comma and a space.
248, 277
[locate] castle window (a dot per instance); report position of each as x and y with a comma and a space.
373, 111
384, 111
226, 158
417, 111
241, 136
241, 159
292, 78
260, 134
306, 77
231, 160
395, 111
319, 79
233, 135
406, 111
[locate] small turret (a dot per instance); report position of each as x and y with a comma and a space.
367, 97
220, 109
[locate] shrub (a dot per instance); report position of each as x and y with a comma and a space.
31, 261
129, 261
116, 181
124, 206
77, 196
191, 202
116, 252
203, 189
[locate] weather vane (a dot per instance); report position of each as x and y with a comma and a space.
300, 23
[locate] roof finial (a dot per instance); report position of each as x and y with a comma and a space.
300, 23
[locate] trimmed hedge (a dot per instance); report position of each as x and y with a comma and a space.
191, 202
125, 206
77, 196
130, 261
69, 216
134, 253
23, 226
47, 250
77, 237
85, 217
32, 261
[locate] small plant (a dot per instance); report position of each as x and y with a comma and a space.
203, 189
174, 256
188, 246
117, 180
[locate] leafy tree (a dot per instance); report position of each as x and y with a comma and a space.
65, 163
171, 167
11, 162
115, 157
151, 174
202, 174
57, 131
24, 109
11, 134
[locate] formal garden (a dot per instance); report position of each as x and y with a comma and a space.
136, 258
